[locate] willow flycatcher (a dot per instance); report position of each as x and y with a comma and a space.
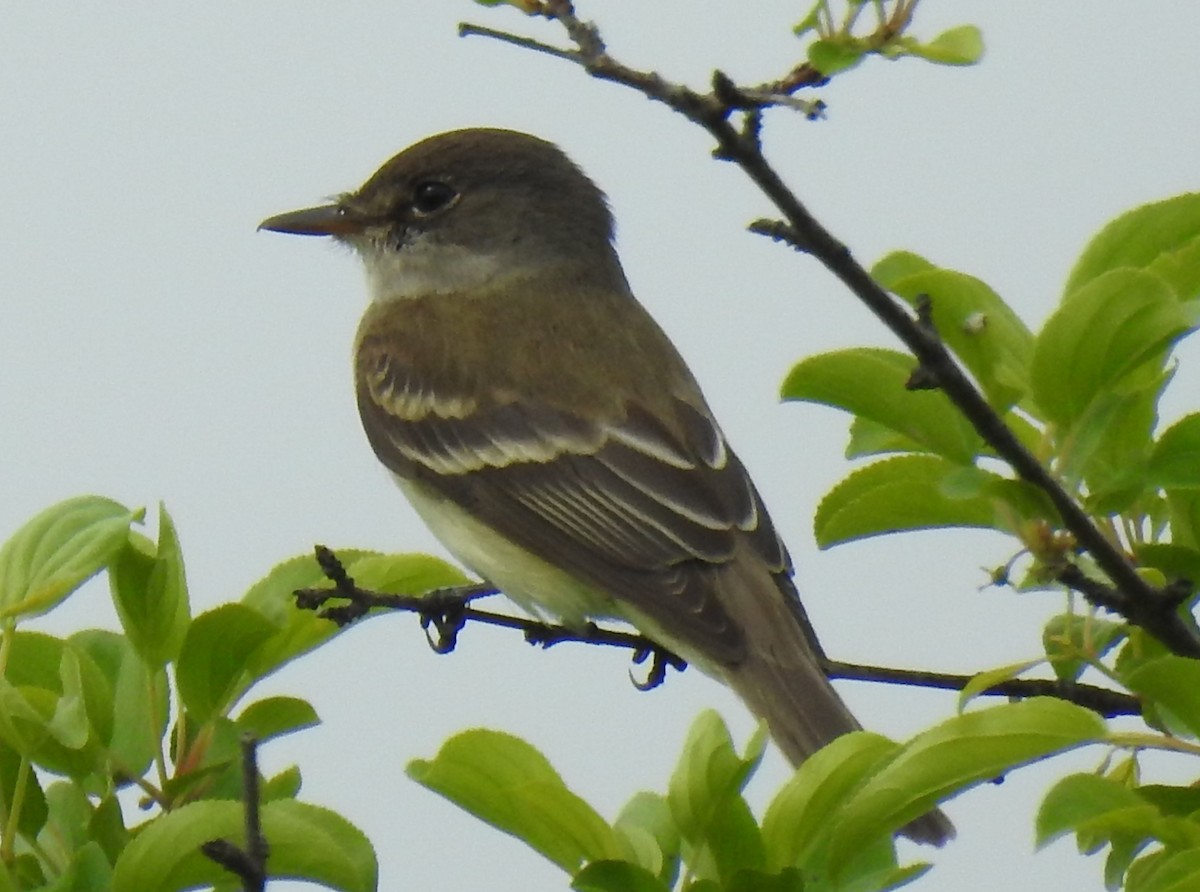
548, 432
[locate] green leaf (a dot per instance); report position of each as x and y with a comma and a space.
1184, 514
33, 808
899, 265
1081, 800
833, 56
67, 690
708, 775
1099, 336
787, 880
810, 22
901, 493
149, 589
507, 783
22, 722
299, 631
1173, 561
284, 785
798, 818
1072, 642
989, 678
646, 824
276, 716
70, 815
1175, 461
869, 382
34, 659
733, 841
69, 724
315, 844
960, 752
869, 437
1017, 502
886, 878
306, 843
1121, 855
220, 645
89, 870
1110, 444
1180, 268
617, 876
1139, 649
1162, 237
874, 867
212, 764
168, 583
139, 707
107, 828
982, 330
1166, 871
1178, 801
1173, 684
25, 873
405, 573
58, 550
958, 46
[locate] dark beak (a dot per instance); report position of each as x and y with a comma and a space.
329, 219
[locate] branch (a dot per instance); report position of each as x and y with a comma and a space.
1105, 701
249, 864
1129, 595
449, 611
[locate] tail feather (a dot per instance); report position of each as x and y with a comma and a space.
782, 681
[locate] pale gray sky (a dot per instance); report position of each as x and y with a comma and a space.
155, 346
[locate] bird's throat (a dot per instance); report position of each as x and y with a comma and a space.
421, 269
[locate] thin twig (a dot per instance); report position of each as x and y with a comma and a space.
802, 76
467, 29
448, 611
249, 864
1104, 701
435, 607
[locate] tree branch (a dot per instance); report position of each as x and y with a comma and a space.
249, 864
1129, 595
448, 610
1104, 701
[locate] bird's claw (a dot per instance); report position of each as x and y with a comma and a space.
446, 620
661, 660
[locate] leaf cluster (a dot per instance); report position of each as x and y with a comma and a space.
1082, 394
843, 42
830, 827
158, 708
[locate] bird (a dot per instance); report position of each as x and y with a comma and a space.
551, 436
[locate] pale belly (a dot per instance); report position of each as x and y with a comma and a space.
539, 588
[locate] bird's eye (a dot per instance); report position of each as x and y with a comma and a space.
432, 196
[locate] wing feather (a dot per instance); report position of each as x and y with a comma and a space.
638, 506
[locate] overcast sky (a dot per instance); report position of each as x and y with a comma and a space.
154, 346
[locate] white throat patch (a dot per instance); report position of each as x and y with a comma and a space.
422, 268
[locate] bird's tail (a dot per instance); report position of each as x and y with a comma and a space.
782, 680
